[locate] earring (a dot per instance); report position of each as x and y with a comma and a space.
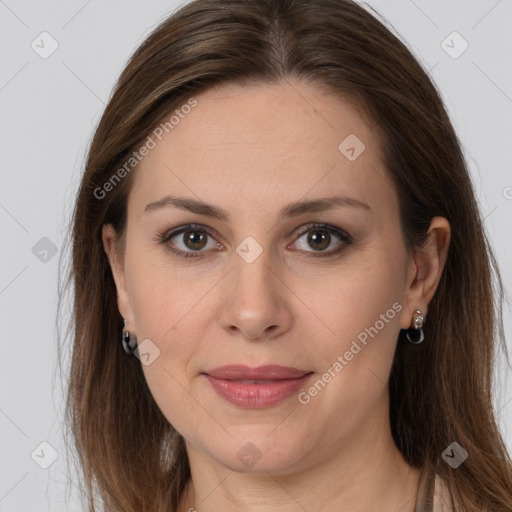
415, 334
129, 344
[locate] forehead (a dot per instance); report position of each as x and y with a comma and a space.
264, 144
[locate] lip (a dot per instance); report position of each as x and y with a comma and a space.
268, 372
259, 387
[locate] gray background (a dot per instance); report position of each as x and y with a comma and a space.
50, 107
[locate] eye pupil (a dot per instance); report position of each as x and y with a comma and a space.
315, 239
195, 238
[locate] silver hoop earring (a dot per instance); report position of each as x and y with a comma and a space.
129, 344
415, 333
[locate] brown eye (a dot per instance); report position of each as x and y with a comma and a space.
194, 240
320, 237
189, 241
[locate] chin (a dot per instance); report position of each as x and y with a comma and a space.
261, 454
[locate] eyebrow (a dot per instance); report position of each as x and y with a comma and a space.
290, 210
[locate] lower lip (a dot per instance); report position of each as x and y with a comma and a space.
256, 396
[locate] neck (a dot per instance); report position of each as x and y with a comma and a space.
367, 473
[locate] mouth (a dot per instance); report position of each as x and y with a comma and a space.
269, 372
259, 387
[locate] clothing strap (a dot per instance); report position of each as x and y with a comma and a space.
426, 489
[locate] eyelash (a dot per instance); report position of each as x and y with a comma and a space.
343, 235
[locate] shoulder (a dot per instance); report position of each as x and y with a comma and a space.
442, 502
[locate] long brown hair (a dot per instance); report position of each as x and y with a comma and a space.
440, 391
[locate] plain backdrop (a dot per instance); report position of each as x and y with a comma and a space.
50, 105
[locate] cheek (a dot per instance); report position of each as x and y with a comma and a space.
160, 295
172, 396
357, 355
355, 297
361, 306
165, 314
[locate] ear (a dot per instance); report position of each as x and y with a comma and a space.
111, 246
425, 269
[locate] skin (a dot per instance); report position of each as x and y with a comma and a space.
252, 150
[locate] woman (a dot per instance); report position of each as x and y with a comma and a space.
283, 289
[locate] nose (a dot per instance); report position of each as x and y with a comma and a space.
255, 301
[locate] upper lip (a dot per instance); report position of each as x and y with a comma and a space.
268, 372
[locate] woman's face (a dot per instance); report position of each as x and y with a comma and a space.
262, 285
